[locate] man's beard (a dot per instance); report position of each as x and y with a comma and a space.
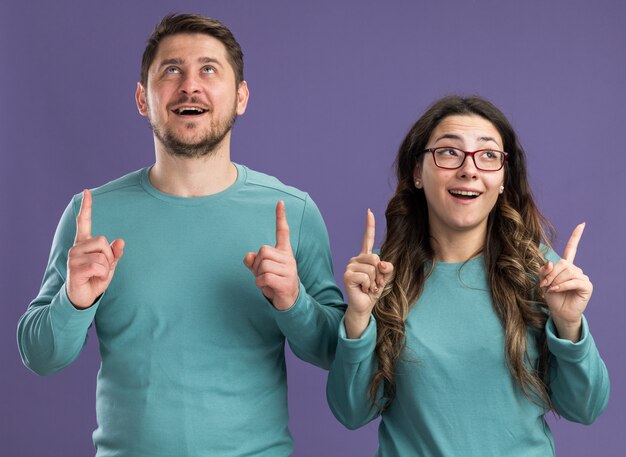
202, 148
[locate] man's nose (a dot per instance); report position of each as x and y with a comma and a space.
190, 84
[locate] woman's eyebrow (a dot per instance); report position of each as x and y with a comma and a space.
488, 138
454, 136
449, 136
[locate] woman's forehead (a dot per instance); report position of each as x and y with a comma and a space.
464, 128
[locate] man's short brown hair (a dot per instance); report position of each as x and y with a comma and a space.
173, 24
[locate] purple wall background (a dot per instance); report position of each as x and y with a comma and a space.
334, 88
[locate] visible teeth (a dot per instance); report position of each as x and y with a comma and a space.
465, 193
190, 108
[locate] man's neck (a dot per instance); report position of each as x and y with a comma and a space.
193, 177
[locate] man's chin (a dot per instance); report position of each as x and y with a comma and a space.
191, 143
191, 148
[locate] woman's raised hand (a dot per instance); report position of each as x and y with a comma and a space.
567, 289
364, 279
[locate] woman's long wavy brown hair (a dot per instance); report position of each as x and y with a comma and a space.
516, 230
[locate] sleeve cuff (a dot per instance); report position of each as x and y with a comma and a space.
566, 350
356, 350
297, 308
67, 317
296, 318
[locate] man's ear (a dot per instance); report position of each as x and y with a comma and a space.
242, 97
140, 98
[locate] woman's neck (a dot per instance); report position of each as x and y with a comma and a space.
458, 246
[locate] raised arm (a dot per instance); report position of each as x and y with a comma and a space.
299, 283
54, 328
348, 386
579, 381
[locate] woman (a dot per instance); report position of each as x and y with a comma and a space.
470, 328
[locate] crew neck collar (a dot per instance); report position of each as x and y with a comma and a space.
195, 201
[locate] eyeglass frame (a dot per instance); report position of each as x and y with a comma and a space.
467, 153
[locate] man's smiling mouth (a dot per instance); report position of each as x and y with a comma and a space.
189, 111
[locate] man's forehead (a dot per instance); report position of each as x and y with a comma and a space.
190, 47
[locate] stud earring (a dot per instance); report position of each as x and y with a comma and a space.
418, 183
501, 189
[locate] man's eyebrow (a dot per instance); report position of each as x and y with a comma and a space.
208, 60
174, 61
179, 61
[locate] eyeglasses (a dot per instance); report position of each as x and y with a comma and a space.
453, 158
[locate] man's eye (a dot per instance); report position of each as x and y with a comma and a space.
172, 70
208, 69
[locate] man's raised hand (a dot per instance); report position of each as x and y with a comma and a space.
275, 268
91, 261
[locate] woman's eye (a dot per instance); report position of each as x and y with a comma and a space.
448, 152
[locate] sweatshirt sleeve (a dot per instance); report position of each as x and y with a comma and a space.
579, 380
347, 388
310, 325
52, 332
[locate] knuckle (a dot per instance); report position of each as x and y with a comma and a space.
269, 281
263, 267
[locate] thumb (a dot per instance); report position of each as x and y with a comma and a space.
386, 268
118, 248
544, 271
249, 259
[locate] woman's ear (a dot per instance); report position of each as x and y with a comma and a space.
417, 177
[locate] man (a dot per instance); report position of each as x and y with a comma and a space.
191, 343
